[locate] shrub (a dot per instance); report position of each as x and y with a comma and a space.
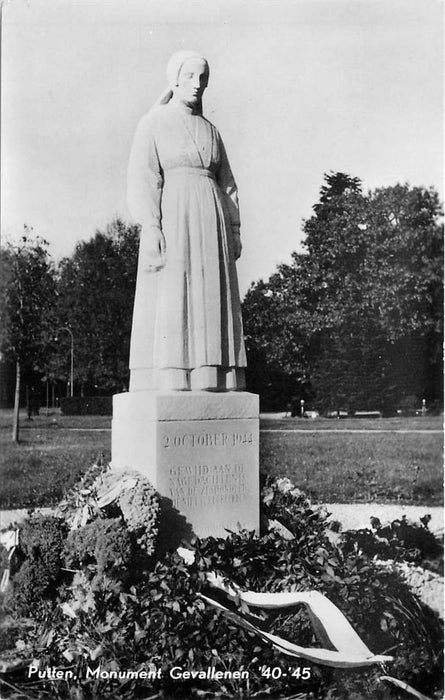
32, 589
104, 547
42, 540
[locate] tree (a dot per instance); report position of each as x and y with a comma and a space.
27, 296
375, 265
277, 342
365, 300
96, 290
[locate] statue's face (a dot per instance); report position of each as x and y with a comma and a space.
192, 81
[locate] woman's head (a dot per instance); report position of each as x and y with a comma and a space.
188, 74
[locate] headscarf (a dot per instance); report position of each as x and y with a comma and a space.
173, 70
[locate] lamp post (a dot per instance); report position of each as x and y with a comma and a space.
68, 330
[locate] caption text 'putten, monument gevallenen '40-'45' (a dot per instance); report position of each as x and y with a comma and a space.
176, 673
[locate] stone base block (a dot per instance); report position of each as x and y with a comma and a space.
199, 450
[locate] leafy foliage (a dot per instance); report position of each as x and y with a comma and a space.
96, 289
27, 296
282, 501
42, 539
39, 572
103, 547
356, 321
400, 541
151, 617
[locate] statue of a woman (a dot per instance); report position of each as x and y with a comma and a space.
187, 329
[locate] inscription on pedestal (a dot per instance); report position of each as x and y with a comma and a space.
207, 440
211, 475
203, 484
199, 451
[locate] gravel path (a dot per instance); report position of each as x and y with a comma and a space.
7, 517
354, 516
427, 585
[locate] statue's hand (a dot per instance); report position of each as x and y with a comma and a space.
152, 249
237, 245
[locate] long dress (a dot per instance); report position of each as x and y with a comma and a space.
188, 314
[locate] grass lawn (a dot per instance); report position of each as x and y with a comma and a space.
358, 467
351, 466
341, 466
49, 457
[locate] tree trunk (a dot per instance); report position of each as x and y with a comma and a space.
28, 407
15, 424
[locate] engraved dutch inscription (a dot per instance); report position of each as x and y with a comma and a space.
207, 469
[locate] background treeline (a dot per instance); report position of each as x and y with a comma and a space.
354, 322
90, 294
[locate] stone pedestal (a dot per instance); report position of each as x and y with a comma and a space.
200, 450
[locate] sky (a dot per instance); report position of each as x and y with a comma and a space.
298, 88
